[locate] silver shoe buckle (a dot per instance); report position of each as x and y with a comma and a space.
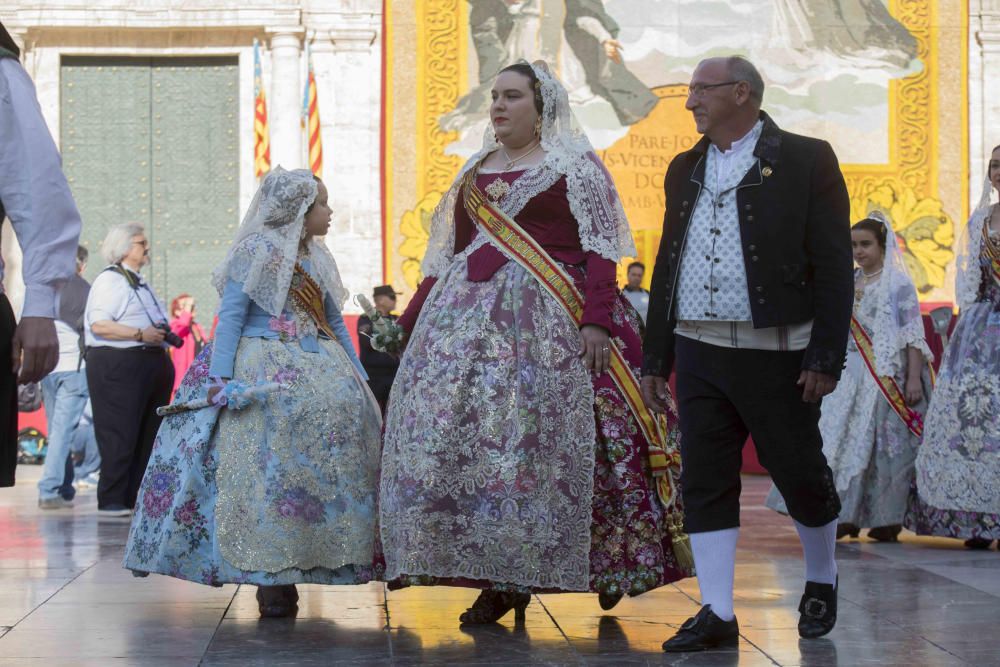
814, 608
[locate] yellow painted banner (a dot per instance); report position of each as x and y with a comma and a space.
884, 83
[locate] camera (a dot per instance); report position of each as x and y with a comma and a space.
169, 336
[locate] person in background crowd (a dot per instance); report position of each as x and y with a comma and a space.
871, 422
85, 455
381, 367
64, 392
635, 293
183, 324
35, 196
128, 371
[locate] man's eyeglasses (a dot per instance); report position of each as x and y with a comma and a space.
144, 244
699, 89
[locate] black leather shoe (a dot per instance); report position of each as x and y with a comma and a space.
703, 632
818, 609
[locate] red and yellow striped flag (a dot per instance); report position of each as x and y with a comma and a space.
261, 132
310, 121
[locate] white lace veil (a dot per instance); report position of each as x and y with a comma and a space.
593, 198
266, 246
898, 322
968, 271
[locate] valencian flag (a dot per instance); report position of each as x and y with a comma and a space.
310, 121
261, 132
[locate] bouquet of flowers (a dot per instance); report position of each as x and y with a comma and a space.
386, 335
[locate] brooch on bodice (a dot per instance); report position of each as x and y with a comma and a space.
497, 190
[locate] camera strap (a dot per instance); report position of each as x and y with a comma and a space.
134, 283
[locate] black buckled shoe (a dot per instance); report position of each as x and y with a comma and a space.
818, 609
703, 632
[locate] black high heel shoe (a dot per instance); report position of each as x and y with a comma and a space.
609, 601
978, 543
492, 605
847, 530
885, 533
277, 601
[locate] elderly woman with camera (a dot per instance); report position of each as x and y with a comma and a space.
128, 370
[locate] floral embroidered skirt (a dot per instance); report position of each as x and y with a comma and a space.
281, 492
958, 468
505, 462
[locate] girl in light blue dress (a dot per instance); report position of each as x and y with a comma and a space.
282, 491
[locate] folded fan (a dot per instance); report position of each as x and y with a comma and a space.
234, 395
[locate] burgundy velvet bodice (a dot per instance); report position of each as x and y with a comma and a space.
548, 219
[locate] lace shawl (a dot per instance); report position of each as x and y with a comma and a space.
593, 197
968, 269
898, 321
266, 246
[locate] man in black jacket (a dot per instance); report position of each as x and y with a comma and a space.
381, 367
751, 302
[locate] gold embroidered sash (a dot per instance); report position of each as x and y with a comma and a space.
519, 246
991, 250
886, 384
308, 296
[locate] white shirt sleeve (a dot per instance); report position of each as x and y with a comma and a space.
35, 193
593, 27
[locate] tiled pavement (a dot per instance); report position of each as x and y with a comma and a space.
65, 601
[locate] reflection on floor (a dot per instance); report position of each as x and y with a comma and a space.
64, 600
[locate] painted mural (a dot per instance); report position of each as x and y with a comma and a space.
884, 82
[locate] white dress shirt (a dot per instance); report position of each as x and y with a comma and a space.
35, 194
111, 298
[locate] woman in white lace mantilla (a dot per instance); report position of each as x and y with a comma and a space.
282, 491
511, 461
872, 421
958, 468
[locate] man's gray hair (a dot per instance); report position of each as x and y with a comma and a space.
741, 69
118, 242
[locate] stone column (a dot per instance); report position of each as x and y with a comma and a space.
350, 70
285, 103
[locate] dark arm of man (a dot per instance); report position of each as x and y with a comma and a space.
658, 344
828, 247
365, 351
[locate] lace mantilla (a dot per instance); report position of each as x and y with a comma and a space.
970, 247
593, 198
266, 247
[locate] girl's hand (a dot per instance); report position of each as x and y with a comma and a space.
214, 390
914, 391
595, 348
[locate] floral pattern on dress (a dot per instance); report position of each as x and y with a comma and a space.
506, 464
326, 534
958, 467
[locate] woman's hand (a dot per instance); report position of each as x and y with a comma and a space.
914, 391
214, 390
595, 348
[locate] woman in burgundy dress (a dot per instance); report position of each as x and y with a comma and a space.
512, 460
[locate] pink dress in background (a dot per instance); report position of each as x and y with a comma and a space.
194, 340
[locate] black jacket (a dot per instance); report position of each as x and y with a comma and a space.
795, 230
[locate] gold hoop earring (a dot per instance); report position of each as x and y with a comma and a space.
538, 127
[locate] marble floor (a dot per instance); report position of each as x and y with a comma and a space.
65, 601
